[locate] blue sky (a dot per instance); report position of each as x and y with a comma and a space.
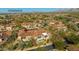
6, 10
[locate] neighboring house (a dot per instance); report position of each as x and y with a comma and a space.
30, 25
5, 28
9, 28
58, 25
2, 28
37, 25
27, 25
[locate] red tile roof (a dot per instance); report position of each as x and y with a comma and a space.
26, 23
8, 33
34, 32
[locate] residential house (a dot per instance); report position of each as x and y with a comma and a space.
9, 28
58, 25
37, 34
37, 25
2, 28
27, 25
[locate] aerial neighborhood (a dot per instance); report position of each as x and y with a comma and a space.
39, 31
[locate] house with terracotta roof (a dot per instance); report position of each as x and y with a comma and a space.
37, 34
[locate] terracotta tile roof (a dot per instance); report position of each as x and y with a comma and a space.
34, 32
8, 33
26, 23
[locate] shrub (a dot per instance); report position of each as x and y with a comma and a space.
72, 38
59, 45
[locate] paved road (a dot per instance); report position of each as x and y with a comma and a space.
46, 47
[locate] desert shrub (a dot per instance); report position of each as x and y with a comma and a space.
64, 19
59, 44
72, 38
73, 26
15, 46
77, 25
26, 44
1, 17
18, 27
1, 48
62, 33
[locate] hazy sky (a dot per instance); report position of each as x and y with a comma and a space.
6, 10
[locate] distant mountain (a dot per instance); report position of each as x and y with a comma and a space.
69, 10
